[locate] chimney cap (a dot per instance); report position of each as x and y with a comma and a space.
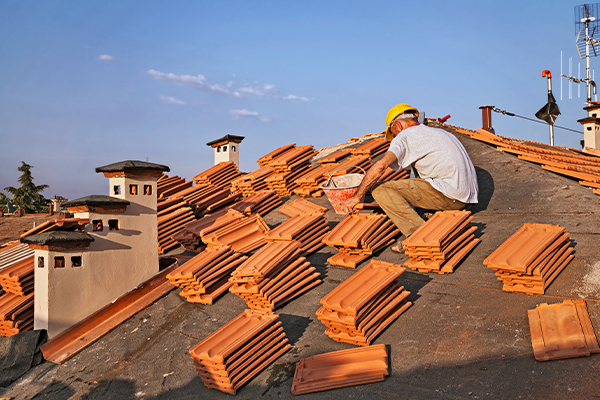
225, 139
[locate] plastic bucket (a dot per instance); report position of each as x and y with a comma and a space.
340, 188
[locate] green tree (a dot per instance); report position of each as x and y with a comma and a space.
28, 195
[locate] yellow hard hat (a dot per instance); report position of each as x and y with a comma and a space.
393, 113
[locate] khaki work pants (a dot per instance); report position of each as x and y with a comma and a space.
397, 197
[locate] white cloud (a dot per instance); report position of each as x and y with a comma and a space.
237, 114
105, 57
172, 100
197, 82
294, 97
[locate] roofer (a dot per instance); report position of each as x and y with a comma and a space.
444, 179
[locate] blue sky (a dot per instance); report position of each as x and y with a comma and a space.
88, 83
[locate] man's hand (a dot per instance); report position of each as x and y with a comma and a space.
348, 204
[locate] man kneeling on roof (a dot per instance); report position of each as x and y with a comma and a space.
445, 178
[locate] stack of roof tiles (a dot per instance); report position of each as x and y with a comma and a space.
309, 230
16, 291
441, 242
261, 203
531, 258
562, 160
342, 368
302, 207
239, 350
363, 305
358, 236
562, 330
372, 148
267, 158
274, 275
170, 221
219, 175
284, 183
243, 235
168, 185
252, 182
206, 276
190, 236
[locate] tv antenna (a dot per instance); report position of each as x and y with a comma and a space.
587, 29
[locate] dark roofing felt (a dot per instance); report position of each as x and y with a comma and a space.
229, 138
54, 237
130, 165
96, 200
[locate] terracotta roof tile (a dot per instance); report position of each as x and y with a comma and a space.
16, 313
18, 278
239, 350
309, 230
274, 275
341, 369
261, 202
363, 305
531, 258
358, 236
301, 207
243, 235
220, 175
562, 330
335, 156
206, 276
267, 158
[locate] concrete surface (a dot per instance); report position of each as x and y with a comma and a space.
463, 338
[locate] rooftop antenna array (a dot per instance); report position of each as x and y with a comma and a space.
587, 30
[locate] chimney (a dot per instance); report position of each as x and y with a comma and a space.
227, 148
486, 118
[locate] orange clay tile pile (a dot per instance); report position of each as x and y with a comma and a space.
244, 235
274, 275
239, 350
342, 368
365, 304
167, 185
284, 183
358, 236
562, 330
562, 160
219, 175
18, 277
16, 290
252, 182
267, 158
206, 276
301, 207
16, 313
170, 221
261, 202
288, 167
531, 258
309, 230
190, 236
372, 148
441, 242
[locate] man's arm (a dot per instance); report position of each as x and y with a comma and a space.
370, 178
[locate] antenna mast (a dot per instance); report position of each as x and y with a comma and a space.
588, 23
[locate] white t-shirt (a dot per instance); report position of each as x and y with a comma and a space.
439, 158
